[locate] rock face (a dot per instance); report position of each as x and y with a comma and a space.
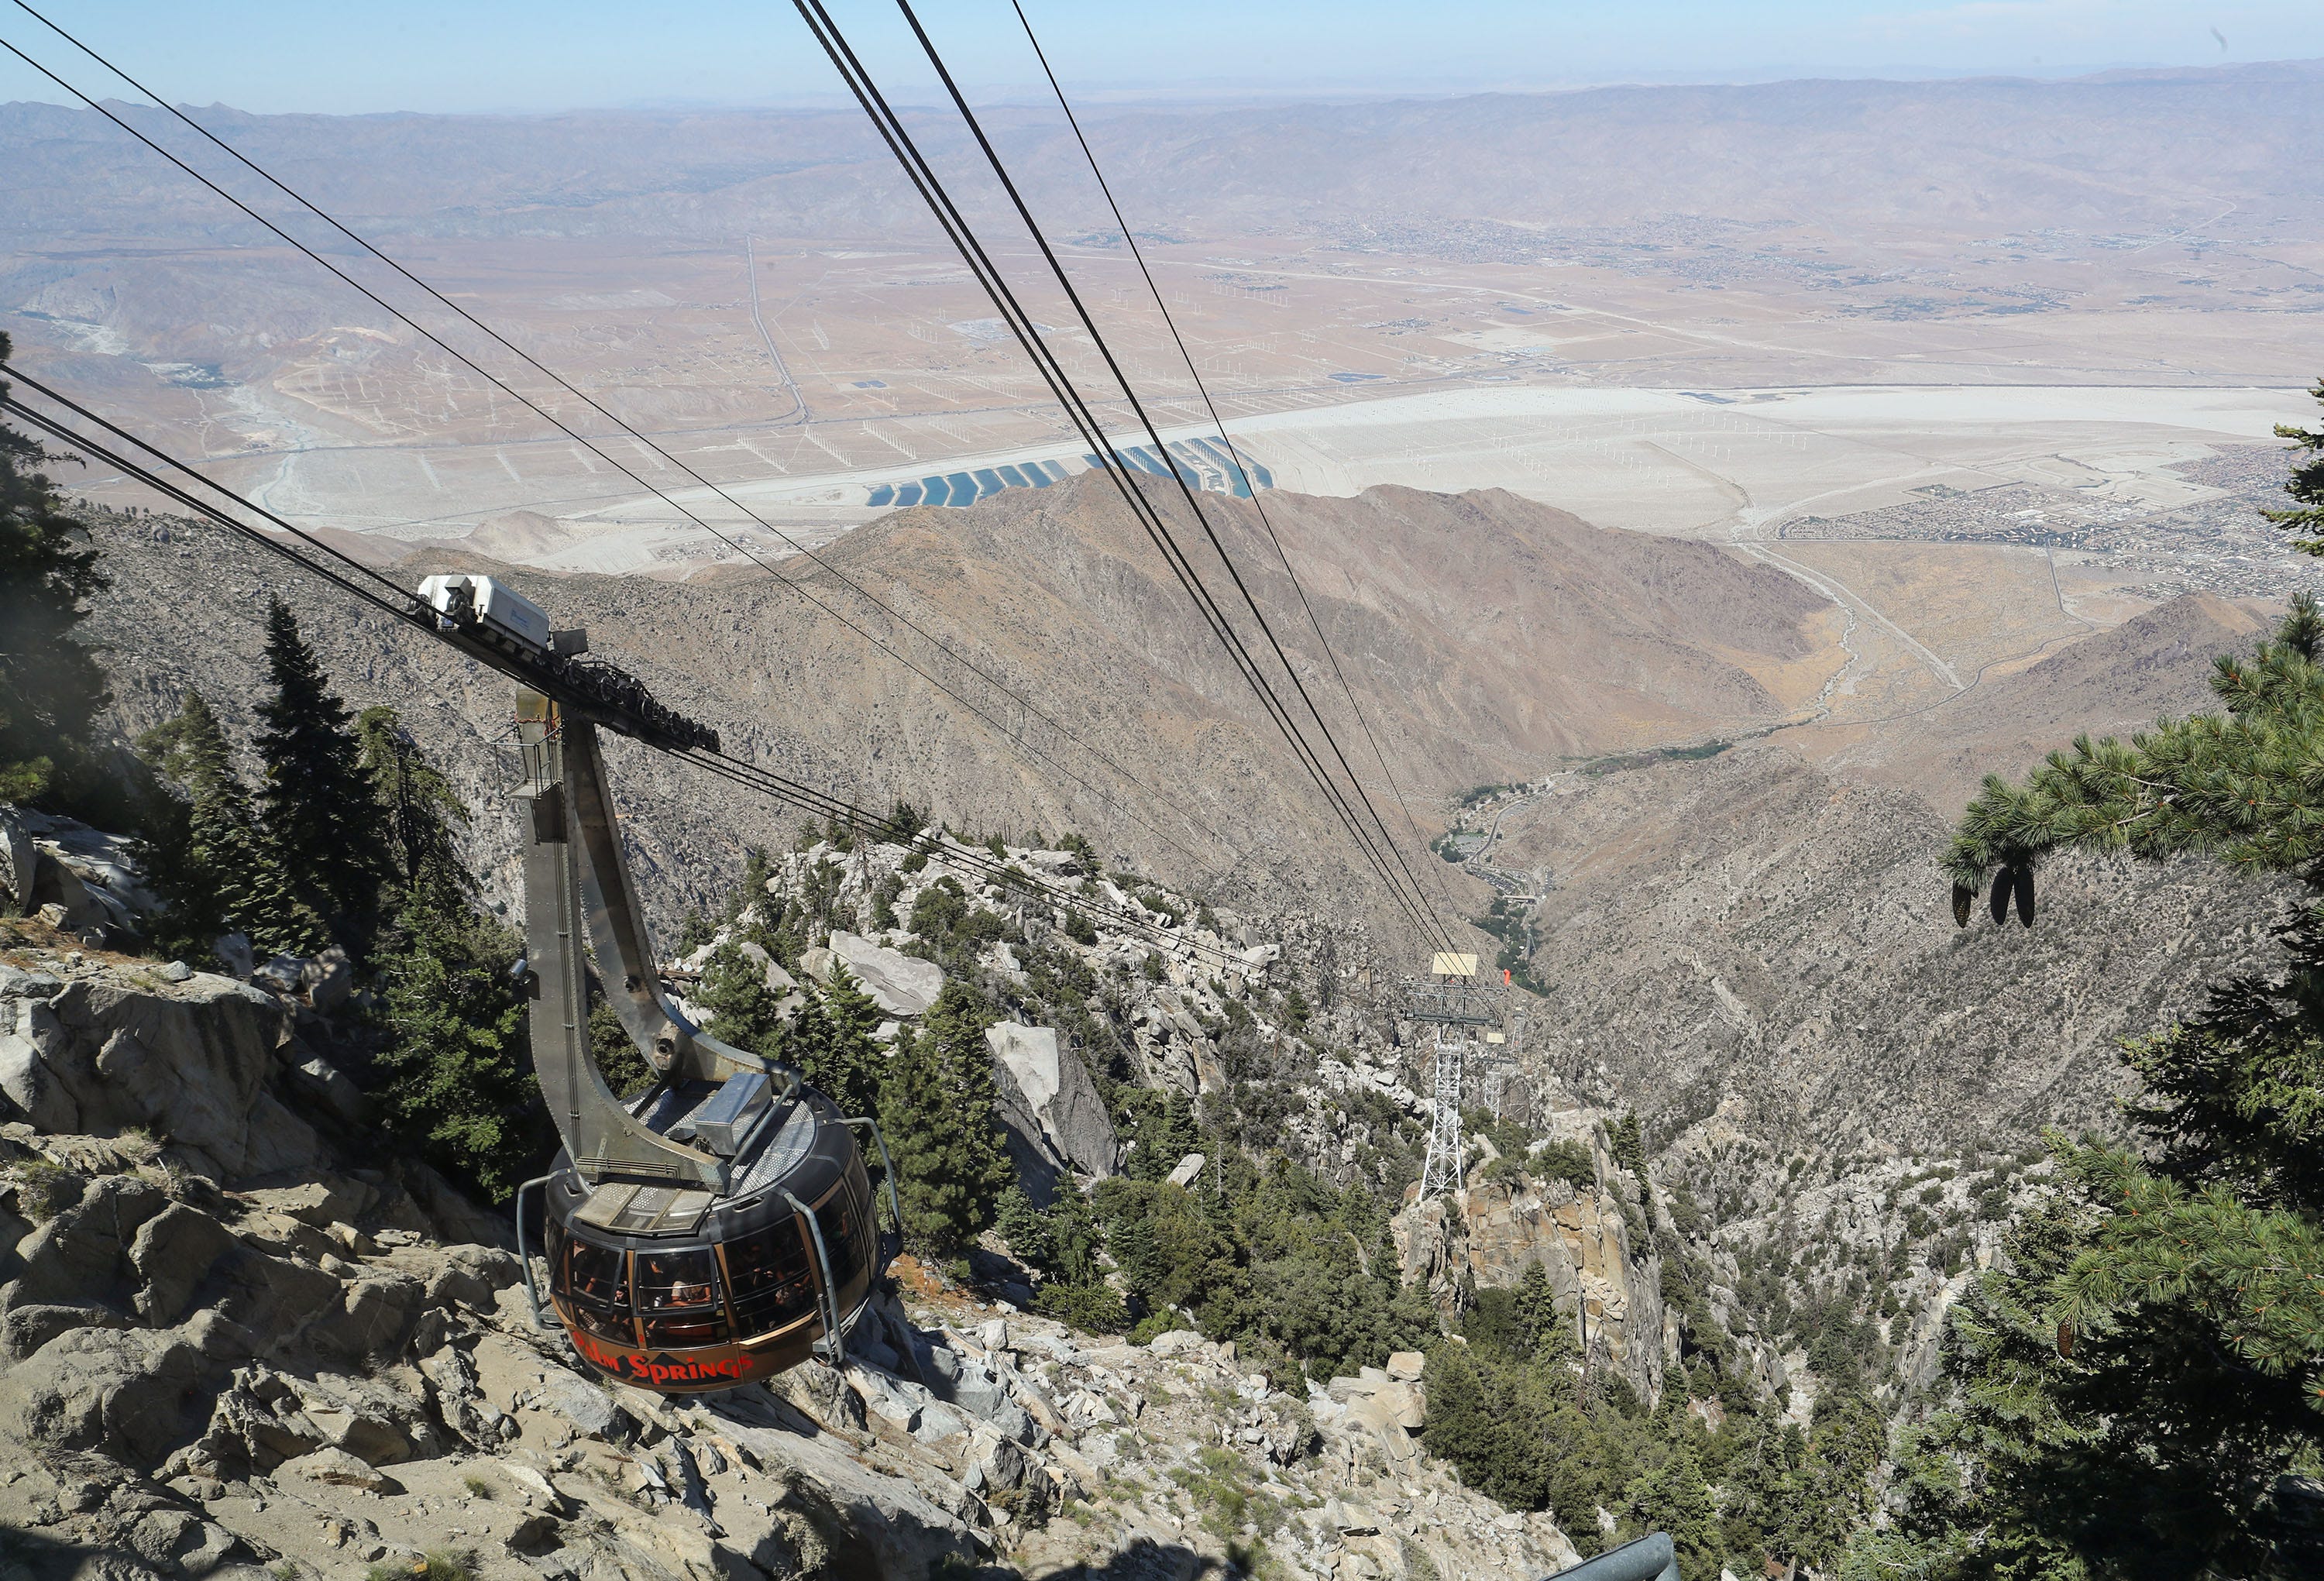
901, 984
189, 1062
207, 1369
1055, 1116
85, 873
1748, 929
1584, 1241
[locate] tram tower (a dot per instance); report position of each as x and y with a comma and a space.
1452, 1001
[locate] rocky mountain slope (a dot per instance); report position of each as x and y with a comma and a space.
2115, 682
1745, 925
1768, 933
1540, 637
1749, 931
231, 1337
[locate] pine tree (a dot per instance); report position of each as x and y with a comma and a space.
208, 859
743, 1010
2306, 483
420, 813
1165, 1136
51, 687
613, 1051
1847, 1441
843, 1061
457, 1070
1673, 1498
315, 803
1766, 1508
937, 1110
1549, 1335
456, 1065
2132, 1383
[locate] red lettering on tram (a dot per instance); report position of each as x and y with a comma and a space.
663, 1368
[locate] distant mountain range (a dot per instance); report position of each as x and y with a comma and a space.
2126, 149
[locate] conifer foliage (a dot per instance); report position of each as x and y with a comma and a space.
2139, 1384
206, 856
938, 1112
2306, 484
830, 1040
316, 803
418, 814
457, 1069
51, 687
455, 1065
1519, 1413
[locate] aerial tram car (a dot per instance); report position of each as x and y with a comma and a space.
719, 1227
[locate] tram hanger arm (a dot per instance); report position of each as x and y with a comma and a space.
673, 1046
567, 812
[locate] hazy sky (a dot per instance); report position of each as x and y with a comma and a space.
274, 55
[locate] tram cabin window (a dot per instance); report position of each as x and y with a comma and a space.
773, 1281
597, 1287
679, 1297
841, 1218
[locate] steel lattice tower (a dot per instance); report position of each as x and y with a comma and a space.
1453, 1001
1442, 1168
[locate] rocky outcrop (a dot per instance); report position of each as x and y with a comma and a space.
901, 984
196, 1065
1489, 1235
1055, 1117
314, 1369
1590, 1243
80, 879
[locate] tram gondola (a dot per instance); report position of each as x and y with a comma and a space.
720, 1228
683, 1289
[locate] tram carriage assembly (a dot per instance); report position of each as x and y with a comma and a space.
719, 1227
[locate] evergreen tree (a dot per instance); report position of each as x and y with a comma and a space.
834, 1047
316, 804
206, 857
937, 1110
2306, 484
743, 1010
1166, 1134
1032, 1238
613, 1052
1834, 1491
1547, 1335
456, 1068
420, 813
1628, 1146
2134, 1382
51, 687
1673, 1497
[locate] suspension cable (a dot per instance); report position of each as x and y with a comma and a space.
405, 610
932, 190
1143, 786
1027, 336
1234, 455
1153, 434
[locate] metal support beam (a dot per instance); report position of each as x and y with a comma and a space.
601, 1138
1440, 1170
672, 1046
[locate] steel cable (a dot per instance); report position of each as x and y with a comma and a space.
933, 192
1250, 488
1141, 785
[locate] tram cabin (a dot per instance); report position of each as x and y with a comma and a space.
682, 1291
